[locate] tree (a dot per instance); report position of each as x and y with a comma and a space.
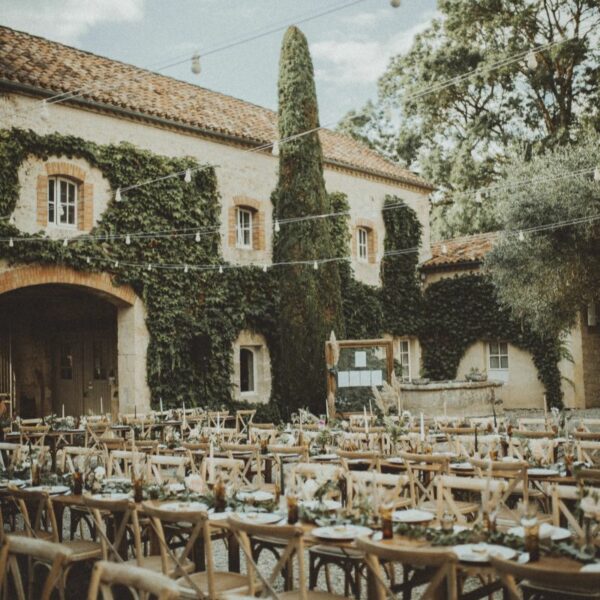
310, 299
460, 136
546, 276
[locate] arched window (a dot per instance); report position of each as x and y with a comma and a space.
247, 379
62, 201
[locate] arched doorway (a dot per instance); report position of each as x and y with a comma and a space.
74, 339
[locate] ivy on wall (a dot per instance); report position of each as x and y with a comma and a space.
193, 319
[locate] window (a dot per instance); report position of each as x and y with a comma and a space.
404, 359
244, 228
363, 244
498, 355
247, 382
62, 202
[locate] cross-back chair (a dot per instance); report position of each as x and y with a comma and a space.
120, 462
383, 488
9, 455
170, 469
421, 470
227, 469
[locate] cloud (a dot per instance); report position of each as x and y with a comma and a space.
361, 60
366, 19
68, 20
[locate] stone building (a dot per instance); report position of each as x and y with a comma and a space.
76, 339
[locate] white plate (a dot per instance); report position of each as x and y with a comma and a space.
480, 553
176, 487
324, 457
340, 532
219, 516
546, 531
260, 518
325, 504
184, 506
396, 460
53, 490
465, 466
258, 496
592, 568
412, 515
111, 496
117, 480
535, 472
14, 482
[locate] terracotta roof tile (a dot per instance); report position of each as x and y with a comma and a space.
459, 251
54, 67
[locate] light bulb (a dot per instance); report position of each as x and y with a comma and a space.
395, 3
88, 260
444, 249
521, 236
65, 242
264, 268
315, 265
275, 148
188, 176
196, 67
118, 195
277, 226
478, 197
197, 237
11, 243
597, 174
532, 62
44, 109
128, 239
185, 269
149, 266
220, 270
116, 263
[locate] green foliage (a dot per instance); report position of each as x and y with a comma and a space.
311, 304
546, 278
463, 310
193, 319
460, 135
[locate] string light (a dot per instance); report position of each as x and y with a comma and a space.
44, 110
128, 239
65, 242
532, 62
188, 176
395, 3
315, 265
444, 249
186, 269
196, 67
521, 236
275, 148
597, 174
220, 270
197, 236
11, 243
118, 195
277, 226
264, 268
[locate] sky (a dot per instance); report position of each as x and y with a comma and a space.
350, 47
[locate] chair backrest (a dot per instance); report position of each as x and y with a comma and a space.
588, 450
143, 582
532, 423
120, 462
227, 469
168, 468
564, 497
146, 446
441, 564
34, 434
560, 581
54, 554
243, 420
125, 517
70, 458
291, 537
386, 488
35, 507
422, 488
369, 459
9, 454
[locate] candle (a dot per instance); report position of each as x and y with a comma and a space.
422, 428
445, 409
218, 421
476, 441
327, 409
366, 420
545, 407
211, 470
101, 406
63, 411
161, 406
370, 407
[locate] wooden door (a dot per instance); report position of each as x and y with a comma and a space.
68, 373
100, 365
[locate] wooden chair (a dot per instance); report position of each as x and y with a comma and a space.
532, 424
436, 569
179, 565
168, 468
564, 501
388, 488
284, 456
291, 537
250, 455
549, 583
229, 470
51, 556
588, 451
120, 462
70, 458
421, 470
143, 583
243, 421
366, 460
9, 455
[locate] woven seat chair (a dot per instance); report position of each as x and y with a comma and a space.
433, 568
550, 583
291, 538
143, 583
52, 557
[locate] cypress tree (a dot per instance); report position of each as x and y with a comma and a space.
310, 299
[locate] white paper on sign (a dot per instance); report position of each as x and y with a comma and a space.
360, 359
354, 378
365, 378
377, 377
343, 379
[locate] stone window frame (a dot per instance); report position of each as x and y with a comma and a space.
253, 350
498, 354
372, 241
256, 208
84, 208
